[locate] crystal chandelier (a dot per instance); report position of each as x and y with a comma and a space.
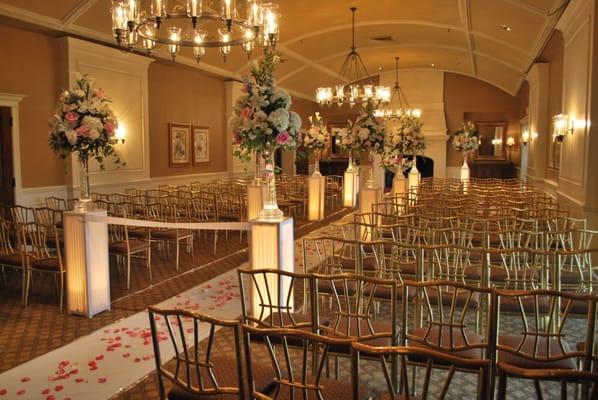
398, 105
353, 71
181, 25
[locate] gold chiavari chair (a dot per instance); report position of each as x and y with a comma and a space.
11, 251
553, 343
126, 247
430, 358
304, 379
40, 258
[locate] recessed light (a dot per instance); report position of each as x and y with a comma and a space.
506, 27
432, 65
380, 68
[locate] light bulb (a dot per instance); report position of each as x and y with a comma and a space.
225, 38
198, 39
174, 34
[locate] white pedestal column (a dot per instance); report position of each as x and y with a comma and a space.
399, 184
255, 200
87, 264
272, 246
465, 175
350, 186
369, 196
316, 191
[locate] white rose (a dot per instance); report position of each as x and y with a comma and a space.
363, 133
94, 134
79, 93
71, 136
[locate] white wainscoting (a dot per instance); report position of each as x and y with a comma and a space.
35, 197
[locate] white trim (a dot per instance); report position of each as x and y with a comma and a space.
36, 196
72, 16
12, 101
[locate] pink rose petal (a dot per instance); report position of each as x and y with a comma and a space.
79, 380
58, 388
46, 391
25, 379
21, 392
2, 392
102, 380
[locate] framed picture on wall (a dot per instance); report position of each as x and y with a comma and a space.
201, 145
179, 136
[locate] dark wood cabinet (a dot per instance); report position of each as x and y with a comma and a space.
493, 169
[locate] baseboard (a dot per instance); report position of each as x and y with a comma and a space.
36, 197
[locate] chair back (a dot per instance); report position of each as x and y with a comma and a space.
403, 390
195, 361
299, 370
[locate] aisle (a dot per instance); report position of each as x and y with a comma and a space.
99, 365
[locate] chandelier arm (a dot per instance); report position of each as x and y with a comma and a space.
188, 43
365, 70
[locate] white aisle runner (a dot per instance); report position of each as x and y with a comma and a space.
98, 366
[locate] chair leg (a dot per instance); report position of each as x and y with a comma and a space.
149, 262
128, 271
61, 296
502, 385
538, 389
25, 288
177, 255
215, 241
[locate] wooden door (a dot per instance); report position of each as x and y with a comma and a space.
7, 182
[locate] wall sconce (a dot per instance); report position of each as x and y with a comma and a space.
525, 137
561, 126
510, 141
120, 134
534, 135
496, 142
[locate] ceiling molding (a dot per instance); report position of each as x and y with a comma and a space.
465, 13
528, 7
402, 22
308, 62
542, 39
513, 67
78, 11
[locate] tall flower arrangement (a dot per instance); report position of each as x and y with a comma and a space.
467, 138
404, 138
84, 124
262, 122
316, 138
367, 133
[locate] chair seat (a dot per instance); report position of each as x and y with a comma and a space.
326, 286
225, 370
384, 292
345, 330
11, 259
138, 232
446, 296
574, 276
529, 343
511, 304
458, 341
170, 234
499, 274
133, 247
46, 264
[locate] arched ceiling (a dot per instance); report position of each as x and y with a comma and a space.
462, 36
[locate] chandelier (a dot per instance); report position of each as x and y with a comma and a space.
195, 24
397, 105
353, 71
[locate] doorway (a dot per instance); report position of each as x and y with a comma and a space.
7, 181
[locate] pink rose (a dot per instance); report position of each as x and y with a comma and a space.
246, 113
71, 117
109, 126
99, 93
283, 138
82, 131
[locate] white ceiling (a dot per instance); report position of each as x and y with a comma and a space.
462, 36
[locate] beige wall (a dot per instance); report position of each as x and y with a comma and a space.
30, 67
184, 95
463, 94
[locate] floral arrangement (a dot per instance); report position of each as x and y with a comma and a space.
262, 119
317, 136
467, 138
84, 123
405, 136
366, 133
